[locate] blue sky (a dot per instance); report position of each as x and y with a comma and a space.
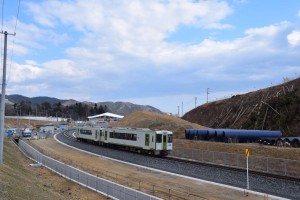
162, 53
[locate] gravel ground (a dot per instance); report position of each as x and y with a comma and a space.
274, 186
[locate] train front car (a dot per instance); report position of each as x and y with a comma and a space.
142, 140
163, 142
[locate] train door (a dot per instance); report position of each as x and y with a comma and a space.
152, 141
158, 143
105, 136
96, 135
101, 135
164, 141
147, 140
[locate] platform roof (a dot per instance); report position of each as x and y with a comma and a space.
107, 114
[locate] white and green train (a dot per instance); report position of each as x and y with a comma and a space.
140, 140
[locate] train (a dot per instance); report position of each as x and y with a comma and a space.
242, 135
141, 140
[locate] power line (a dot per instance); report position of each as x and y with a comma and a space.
2, 14
12, 50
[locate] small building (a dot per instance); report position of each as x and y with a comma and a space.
45, 128
107, 117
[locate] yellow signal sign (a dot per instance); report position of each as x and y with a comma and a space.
247, 152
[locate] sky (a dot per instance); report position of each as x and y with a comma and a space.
170, 54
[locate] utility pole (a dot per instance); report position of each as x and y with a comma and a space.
207, 92
2, 105
181, 109
178, 111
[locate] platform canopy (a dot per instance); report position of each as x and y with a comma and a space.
105, 115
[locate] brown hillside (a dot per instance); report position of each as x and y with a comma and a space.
273, 108
144, 119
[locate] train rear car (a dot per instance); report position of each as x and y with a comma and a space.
88, 134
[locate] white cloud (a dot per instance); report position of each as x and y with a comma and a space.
268, 31
64, 69
294, 38
22, 73
134, 27
114, 49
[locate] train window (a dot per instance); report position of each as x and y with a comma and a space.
123, 136
170, 138
158, 138
134, 137
100, 132
152, 138
85, 132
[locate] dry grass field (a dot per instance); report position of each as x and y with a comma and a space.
152, 120
20, 181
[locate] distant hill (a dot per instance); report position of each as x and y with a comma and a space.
151, 120
121, 108
272, 108
34, 100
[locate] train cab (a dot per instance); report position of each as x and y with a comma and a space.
164, 142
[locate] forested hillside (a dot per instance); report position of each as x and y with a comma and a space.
49, 106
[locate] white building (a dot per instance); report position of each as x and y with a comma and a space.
107, 117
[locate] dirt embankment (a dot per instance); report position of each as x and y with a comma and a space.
154, 121
273, 108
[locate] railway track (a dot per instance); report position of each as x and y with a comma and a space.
67, 135
282, 186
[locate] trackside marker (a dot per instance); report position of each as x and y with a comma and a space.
247, 152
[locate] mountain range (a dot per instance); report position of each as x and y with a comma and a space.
121, 108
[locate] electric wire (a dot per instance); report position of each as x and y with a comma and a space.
13, 43
2, 14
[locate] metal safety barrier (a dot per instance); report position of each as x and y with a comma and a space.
100, 185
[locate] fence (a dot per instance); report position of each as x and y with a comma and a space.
284, 167
105, 187
170, 191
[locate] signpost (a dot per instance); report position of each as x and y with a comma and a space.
247, 152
